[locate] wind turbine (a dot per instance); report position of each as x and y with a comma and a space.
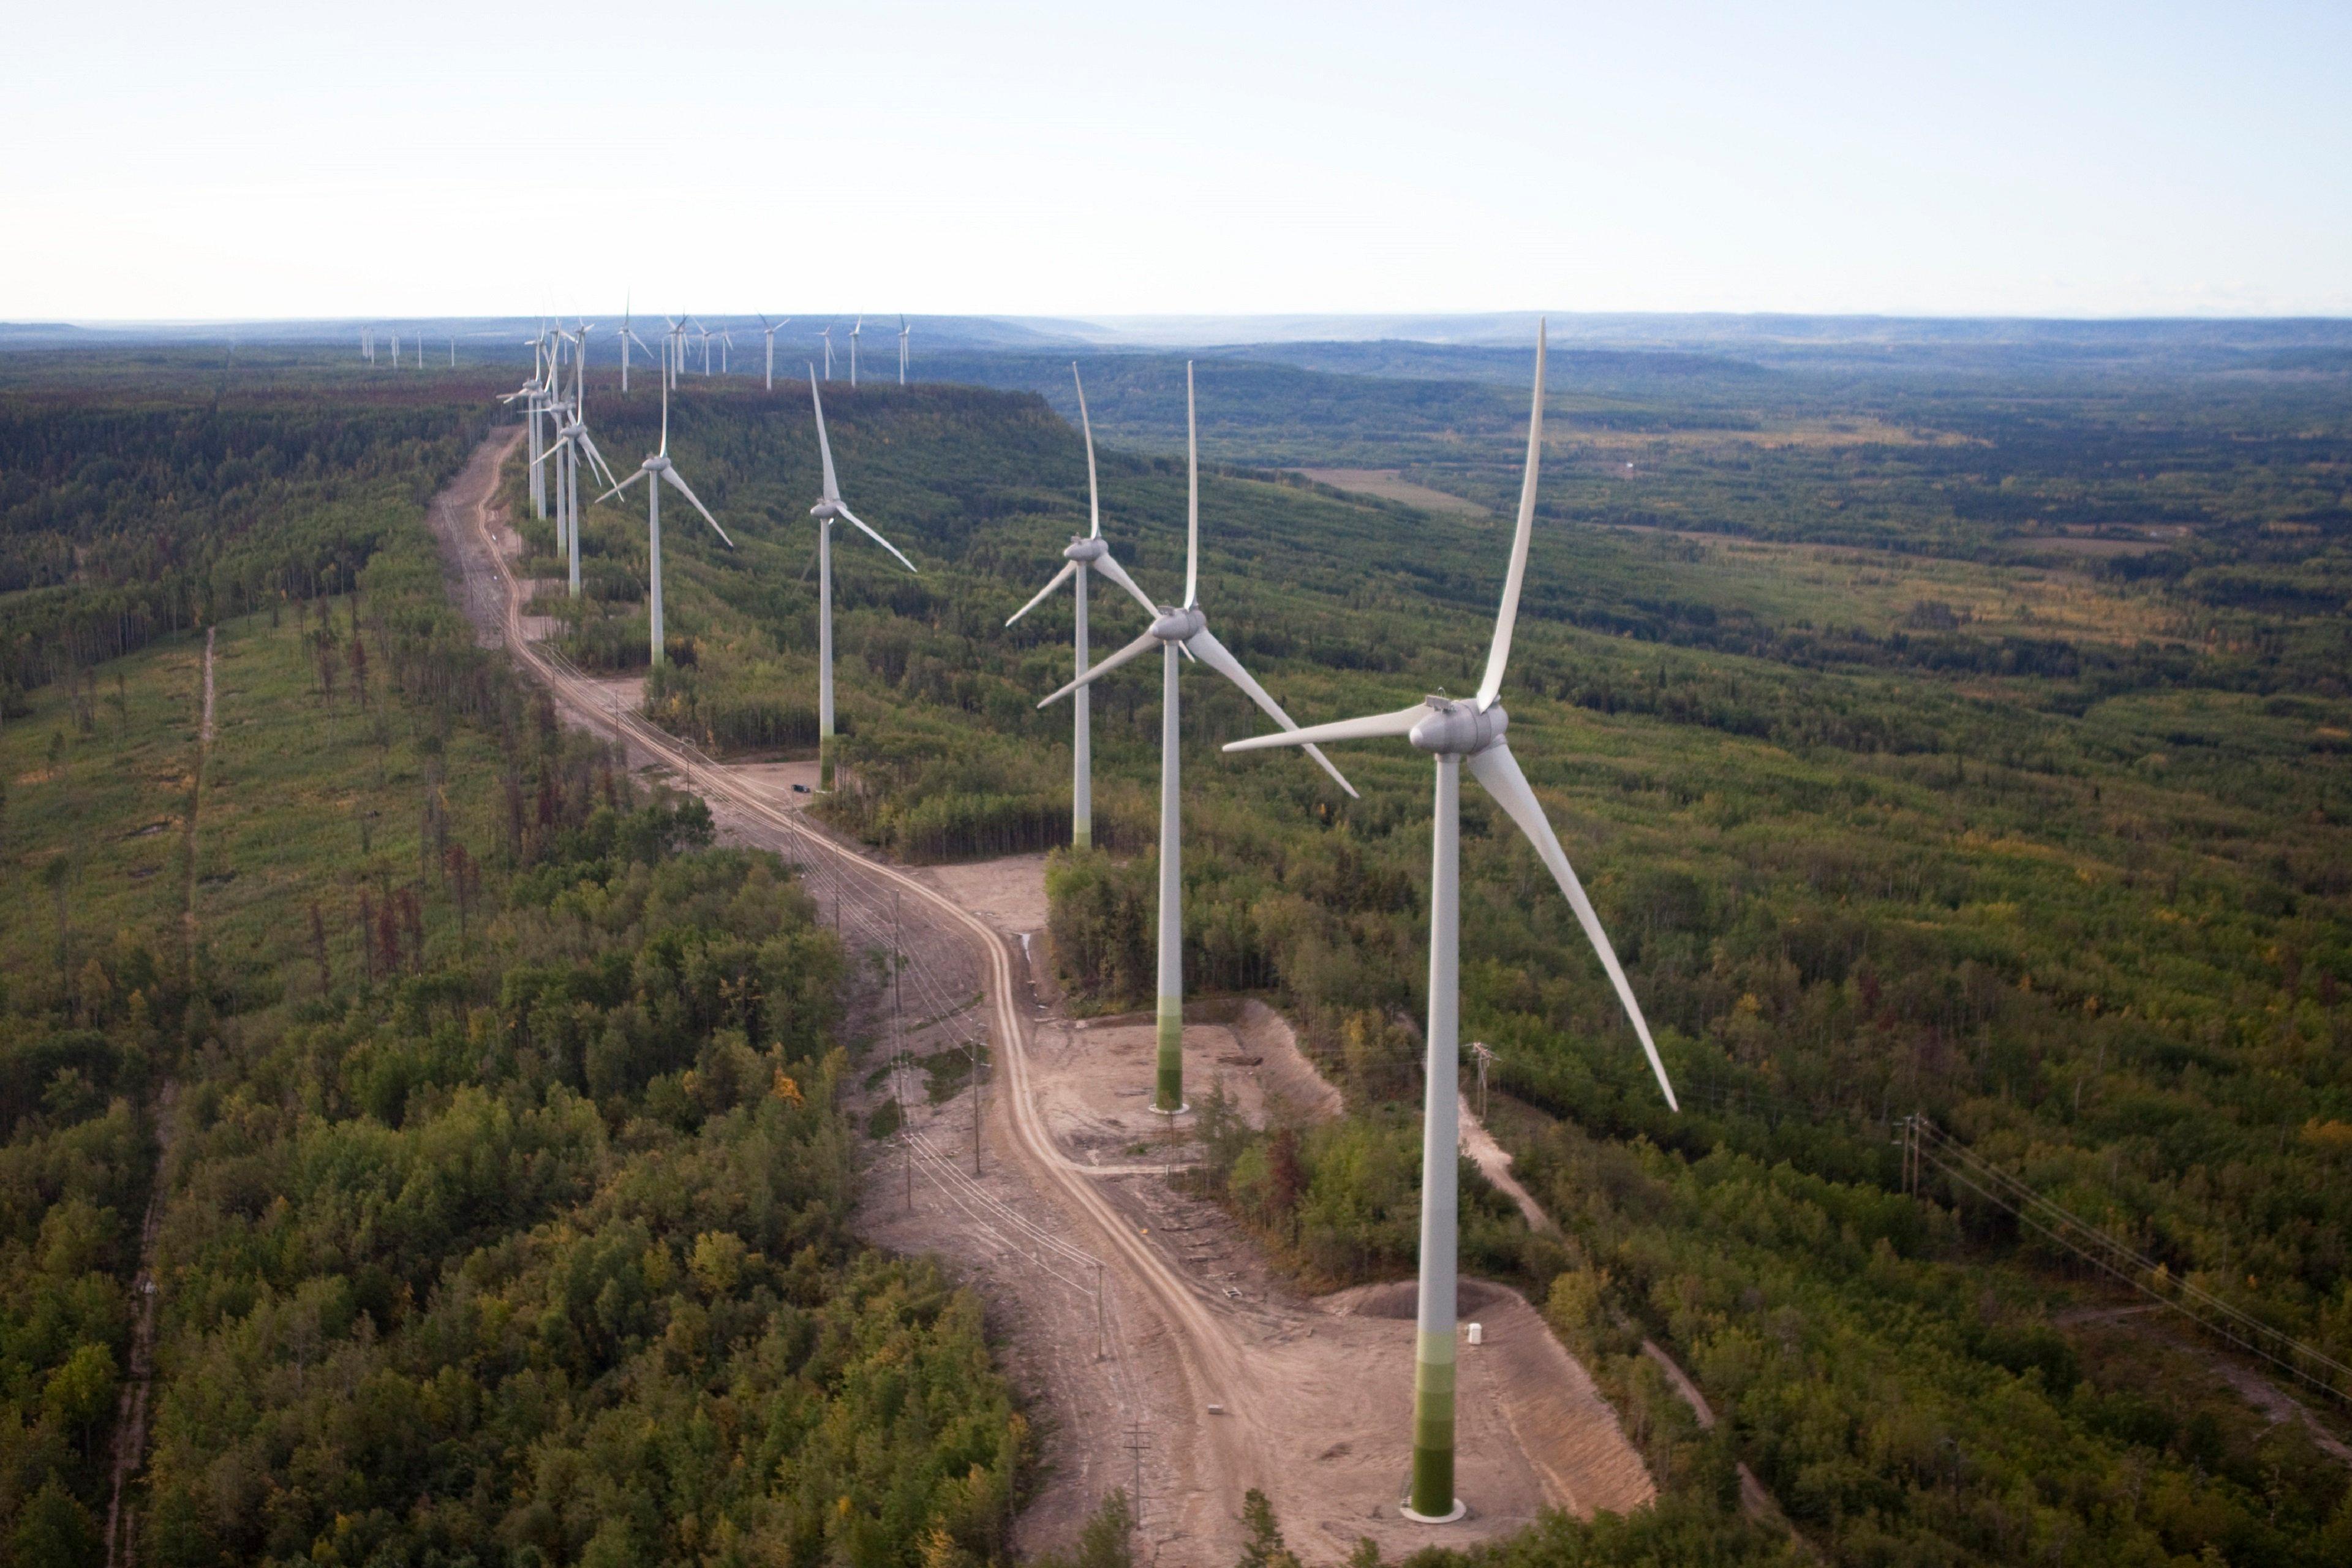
827, 507
772, 331
581, 327
827, 335
1086, 552
1183, 626
904, 329
628, 337
726, 346
663, 472
535, 389
571, 444
853, 350
1455, 733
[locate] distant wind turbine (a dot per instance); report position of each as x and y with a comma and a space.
828, 507
662, 473
628, 337
536, 392
770, 331
1182, 626
853, 349
1085, 550
903, 330
1455, 733
827, 335
572, 443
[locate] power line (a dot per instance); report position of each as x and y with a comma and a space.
1925, 1144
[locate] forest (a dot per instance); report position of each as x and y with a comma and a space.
1962, 738
485, 1110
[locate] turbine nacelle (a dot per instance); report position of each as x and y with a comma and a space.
825, 511
656, 464
1082, 548
1179, 626
1458, 729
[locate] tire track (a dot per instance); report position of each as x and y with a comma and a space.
130, 1409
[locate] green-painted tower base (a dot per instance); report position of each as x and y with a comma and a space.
1432, 1500
825, 762
1170, 1098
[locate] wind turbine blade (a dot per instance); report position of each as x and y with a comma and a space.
595, 457
1219, 657
1127, 654
878, 539
1499, 655
823, 447
1117, 573
616, 490
1371, 727
677, 482
553, 447
1069, 569
1192, 502
1499, 771
1094, 490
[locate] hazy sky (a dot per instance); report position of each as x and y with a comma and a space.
292, 160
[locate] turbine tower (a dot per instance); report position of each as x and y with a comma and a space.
827, 507
1455, 732
1183, 626
904, 329
827, 335
534, 392
574, 443
1086, 552
663, 472
628, 337
853, 350
772, 331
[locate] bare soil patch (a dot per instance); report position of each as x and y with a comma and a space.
1389, 484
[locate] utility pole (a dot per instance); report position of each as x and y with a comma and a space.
1137, 1442
1102, 1343
979, 1054
1480, 1049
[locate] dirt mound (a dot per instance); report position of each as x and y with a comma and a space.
1400, 1298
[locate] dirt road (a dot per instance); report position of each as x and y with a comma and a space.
1209, 1378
